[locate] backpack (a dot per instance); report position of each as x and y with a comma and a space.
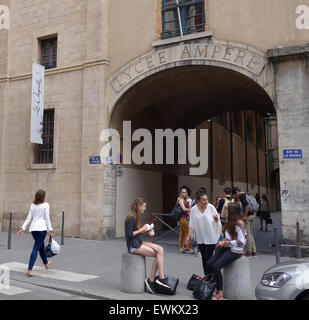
253, 205
224, 212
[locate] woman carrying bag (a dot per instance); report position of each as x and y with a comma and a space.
39, 214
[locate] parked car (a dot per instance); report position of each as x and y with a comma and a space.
285, 281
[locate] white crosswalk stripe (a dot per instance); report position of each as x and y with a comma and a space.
12, 290
50, 273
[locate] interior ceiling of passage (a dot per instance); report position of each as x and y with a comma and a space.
183, 97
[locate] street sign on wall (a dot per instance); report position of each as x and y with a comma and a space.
293, 154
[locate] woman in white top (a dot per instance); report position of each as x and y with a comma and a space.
206, 227
39, 214
230, 246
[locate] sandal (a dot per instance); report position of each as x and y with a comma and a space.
214, 296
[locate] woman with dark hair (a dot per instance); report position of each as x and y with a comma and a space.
265, 210
39, 214
135, 245
229, 248
185, 203
205, 225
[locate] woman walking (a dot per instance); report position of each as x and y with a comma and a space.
205, 224
39, 214
135, 245
265, 211
185, 204
229, 248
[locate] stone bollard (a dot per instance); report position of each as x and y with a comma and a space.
133, 273
237, 280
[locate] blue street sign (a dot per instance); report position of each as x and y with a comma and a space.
293, 154
95, 160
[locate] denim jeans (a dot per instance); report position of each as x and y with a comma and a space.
221, 258
39, 246
207, 251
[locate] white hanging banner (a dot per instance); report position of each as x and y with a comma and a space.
37, 103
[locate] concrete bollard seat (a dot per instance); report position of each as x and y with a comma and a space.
133, 273
237, 280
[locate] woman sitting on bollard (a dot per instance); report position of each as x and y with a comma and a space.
229, 248
135, 245
39, 214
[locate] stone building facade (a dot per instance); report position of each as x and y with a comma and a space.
218, 63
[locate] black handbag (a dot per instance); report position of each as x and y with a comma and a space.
173, 283
205, 288
192, 281
176, 212
48, 249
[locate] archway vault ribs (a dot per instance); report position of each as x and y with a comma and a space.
230, 55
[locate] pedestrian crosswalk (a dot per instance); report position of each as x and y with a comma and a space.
50, 273
12, 290
43, 273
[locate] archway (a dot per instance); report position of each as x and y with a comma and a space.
188, 94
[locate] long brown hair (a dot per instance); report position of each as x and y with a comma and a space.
39, 197
134, 210
234, 217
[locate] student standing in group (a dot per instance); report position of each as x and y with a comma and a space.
185, 204
248, 218
206, 226
135, 245
39, 214
223, 205
265, 210
229, 248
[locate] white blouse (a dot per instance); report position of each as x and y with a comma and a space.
205, 228
39, 214
239, 243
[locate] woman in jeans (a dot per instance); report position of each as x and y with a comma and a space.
229, 248
206, 226
136, 245
39, 214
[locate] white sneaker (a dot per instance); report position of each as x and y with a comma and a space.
199, 255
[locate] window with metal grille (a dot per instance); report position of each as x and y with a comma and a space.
49, 53
44, 152
181, 17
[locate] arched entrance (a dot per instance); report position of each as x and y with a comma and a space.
223, 87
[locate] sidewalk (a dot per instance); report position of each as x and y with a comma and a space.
103, 260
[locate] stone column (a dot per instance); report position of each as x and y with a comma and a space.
292, 95
94, 120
